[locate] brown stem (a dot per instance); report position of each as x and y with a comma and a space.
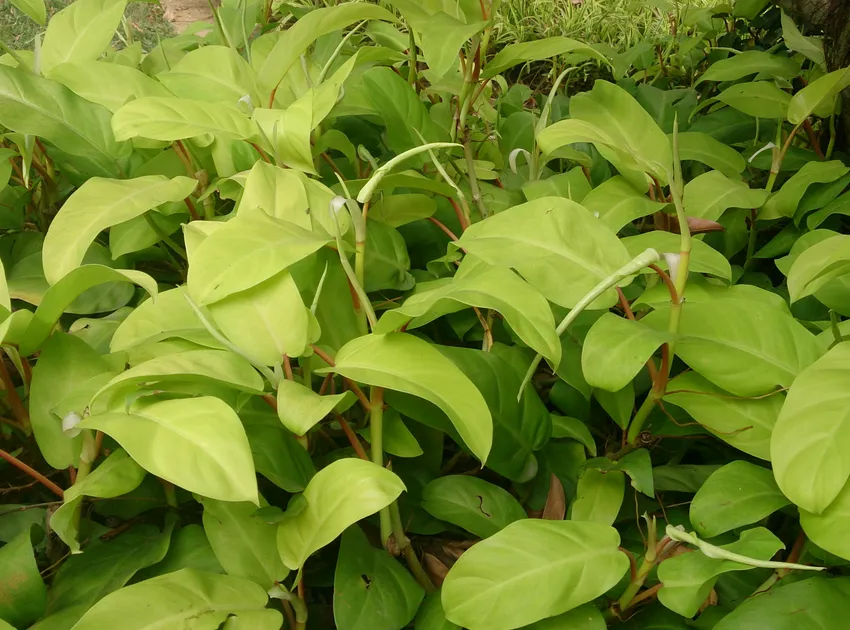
324, 356
668, 282
488, 333
460, 215
15, 403
813, 140
445, 230
193, 212
287, 368
624, 303
650, 592
32, 473
327, 158
263, 154
352, 437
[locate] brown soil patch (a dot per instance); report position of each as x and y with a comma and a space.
181, 13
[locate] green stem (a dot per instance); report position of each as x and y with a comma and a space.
298, 604
831, 146
473, 178
636, 425
836, 331
376, 439
402, 543
465, 98
88, 453
411, 56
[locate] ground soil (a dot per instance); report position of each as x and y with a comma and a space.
181, 13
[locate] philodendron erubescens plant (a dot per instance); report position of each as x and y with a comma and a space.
322, 320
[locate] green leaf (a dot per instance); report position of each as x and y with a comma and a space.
572, 185
62, 294
701, 147
818, 97
244, 252
477, 506
704, 259
745, 423
372, 591
574, 429
555, 244
617, 203
431, 615
828, 530
23, 596
817, 603
637, 465
738, 494
289, 132
189, 549
784, 202
616, 349
212, 74
400, 209
80, 32
408, 364
184, 597
220, 366
810, 460
277, 191
743, 346
523, 52
550, 566
810, 47
338, 496
195, 443
110, 85
816, 266
34, 9
586, 617
495, 288
749, 9
709, 195
599, 496
748, 63
35, 106
398, 440
619, 405
99, 204
65, 364
300, 408
169, 119
387, 260
267, 321
689, 578
840, 205
294, 42
245, 544
760, 99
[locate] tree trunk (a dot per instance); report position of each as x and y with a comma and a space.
833, 18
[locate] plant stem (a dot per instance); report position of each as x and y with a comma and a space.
473, 178
32, 472
21, 414
376, 438
411, 56
404, 547
836, 331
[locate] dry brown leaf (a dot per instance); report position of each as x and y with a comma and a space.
556, 501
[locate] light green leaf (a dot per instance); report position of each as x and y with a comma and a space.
689, 578
398, 440
182, 598
704, 259
616, 349
34, 9
300, 408
99, 204
400, 209
748, 348
709, 195
244, 252
212, 74
496, 288
573, 185
245, 544
523, 52
550, 566
810, 47
80, 32
277, 191
195, 443
431, 615
828, 530
586, 617
738, 494
744, 423
817, 265
808, 447
818, 97
405, 363
169, 119
108, 84
372, 591
748, 63
338, 496
477, 506
599, 496
289, 132
701, 147
619, 405
555, 244
574, 429
23, 596
784, 202
617, 203
760, 99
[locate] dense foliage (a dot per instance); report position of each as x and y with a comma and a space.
321, 319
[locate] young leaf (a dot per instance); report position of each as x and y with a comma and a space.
704, 259
818, 97
809, 47
599, 496
195, 443
701, 147
23, 596
757, 99
514, 54
398, 439
300, 408
551, 566
278, 192
372, 591
817, 265
340, 494
709, 195
555, 244
80, 32
738, 494
406, 363
477, 506
617, 203
748, 63
784, 202
99, 204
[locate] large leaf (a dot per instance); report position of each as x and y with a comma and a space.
339, 495
757, 99
477, 506
701, 147
617, 203
809, 445
213, 74
23, 596
550, 566
108, 84
196, 443
689, 578
169, 119
34, 9
828, 529
244, 252
80, 32
817, 265
709, 195
496, 288
748, 63
277, 191
244, 543
784, 202
99, 204
809, 47
738, 494
408, 364
183, 598
704, 259
523, 52
818, 97
372, 591
555, 244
